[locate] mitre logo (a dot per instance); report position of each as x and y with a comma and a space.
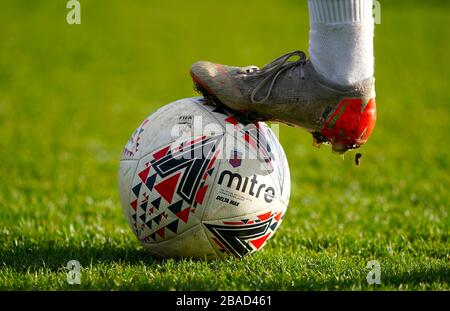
247, 185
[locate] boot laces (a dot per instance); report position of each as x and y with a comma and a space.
272, 71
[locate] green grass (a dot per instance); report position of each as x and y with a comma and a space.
70, 96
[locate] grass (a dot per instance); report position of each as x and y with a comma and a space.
70, 96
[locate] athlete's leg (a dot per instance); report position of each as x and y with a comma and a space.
341, 39
332, 96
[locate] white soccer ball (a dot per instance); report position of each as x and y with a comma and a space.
195, 182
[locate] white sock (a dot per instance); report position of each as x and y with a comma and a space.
341, 39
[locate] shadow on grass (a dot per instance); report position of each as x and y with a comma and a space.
31, 257
421, 278
423, 275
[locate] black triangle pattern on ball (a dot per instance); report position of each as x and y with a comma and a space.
157, 218
189, 170
153, 211
173, 226
274, 226
156, 202
142, 217
236, 238
136, 189
144, 206
176, 207
150, 182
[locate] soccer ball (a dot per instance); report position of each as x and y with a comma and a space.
196, 182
